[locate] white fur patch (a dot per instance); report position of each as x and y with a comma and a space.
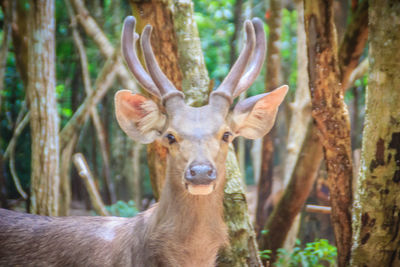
152, 119
107, 233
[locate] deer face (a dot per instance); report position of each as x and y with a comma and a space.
197, 139
197, 152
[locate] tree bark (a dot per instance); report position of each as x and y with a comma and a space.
195, 79
331, 116
376, 206
42, 104
272, 77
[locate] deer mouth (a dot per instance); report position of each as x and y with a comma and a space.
200, 189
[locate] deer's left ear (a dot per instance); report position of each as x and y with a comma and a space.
139, 117
254, 117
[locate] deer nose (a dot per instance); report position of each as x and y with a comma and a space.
200, 173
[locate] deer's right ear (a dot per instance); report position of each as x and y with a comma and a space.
139, 117
254, 117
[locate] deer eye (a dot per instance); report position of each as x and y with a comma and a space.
171, 138
226, 136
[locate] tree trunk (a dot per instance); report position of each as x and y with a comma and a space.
19, 40
300, 123
42, 104
353, 43
331, 116
136, 177
376, 209
195, 79
301, 110
158, 14
7, 13
271, 82
296, 193
243, 249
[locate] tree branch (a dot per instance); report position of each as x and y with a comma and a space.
358, 72
103, 82
84, 172
353, 43
92, 29
93, 113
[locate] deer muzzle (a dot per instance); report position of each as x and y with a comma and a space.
200, 178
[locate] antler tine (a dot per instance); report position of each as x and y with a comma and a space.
230, 82
129, 52
167, 89
257, 60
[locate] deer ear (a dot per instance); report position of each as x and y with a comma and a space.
254, 117
139, 117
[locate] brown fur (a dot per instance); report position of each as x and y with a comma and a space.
182, 230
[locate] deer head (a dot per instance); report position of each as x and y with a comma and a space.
197, 138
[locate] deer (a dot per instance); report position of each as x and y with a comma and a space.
186, 227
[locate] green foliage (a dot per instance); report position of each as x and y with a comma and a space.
215, 22
123, 209
265, 254
315, 254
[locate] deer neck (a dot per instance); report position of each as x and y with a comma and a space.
188, 218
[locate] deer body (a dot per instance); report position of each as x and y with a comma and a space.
153, 238
186, 227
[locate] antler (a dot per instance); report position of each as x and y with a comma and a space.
156, 83
257, 60
237, 81
167, 89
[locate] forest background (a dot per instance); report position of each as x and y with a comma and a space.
303, 175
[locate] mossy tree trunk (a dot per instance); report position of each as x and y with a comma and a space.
331, 117
194, 82
42, 104
376, 209
242, 250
